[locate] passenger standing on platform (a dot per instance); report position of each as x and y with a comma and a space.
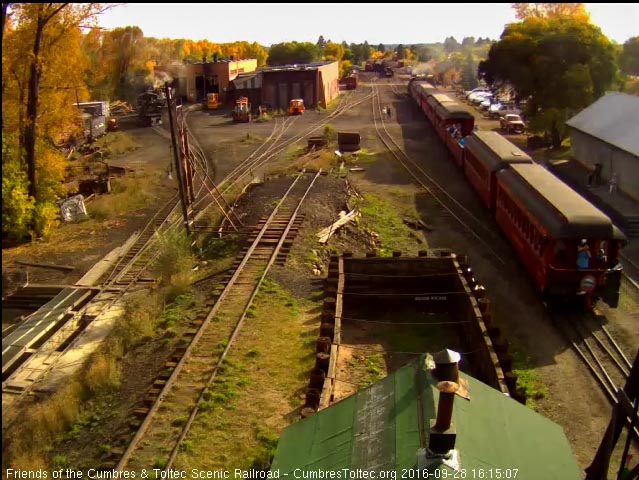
583, 255
388, 111
613, 184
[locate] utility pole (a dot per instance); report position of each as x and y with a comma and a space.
179, 170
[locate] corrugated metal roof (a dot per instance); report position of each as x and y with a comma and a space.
613, 119
378, 430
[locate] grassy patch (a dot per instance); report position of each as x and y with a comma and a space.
527, 378
383, 220
127, 195
174, 264
375, 369
252, 398
250, 138
116, 143
86, 400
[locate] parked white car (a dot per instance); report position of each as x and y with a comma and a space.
481, 97
467, 93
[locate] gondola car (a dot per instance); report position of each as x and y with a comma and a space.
545, 221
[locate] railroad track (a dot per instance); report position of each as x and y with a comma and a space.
275, 144
129, 270
113, 285
439, 198
594, 345
192, 380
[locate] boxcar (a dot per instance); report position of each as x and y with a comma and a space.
545, 221
485, 153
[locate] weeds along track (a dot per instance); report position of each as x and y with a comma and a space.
118, 280
191, 381
438, 197
599, 351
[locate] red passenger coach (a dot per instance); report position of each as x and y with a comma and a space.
485, 153
420, 91
446, 112
546, 222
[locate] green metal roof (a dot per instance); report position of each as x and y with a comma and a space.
377, 429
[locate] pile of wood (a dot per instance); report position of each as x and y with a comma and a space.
326, 233
121, 108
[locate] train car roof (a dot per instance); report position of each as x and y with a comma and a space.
560, 209
452, 109
494, 150
425, 87
440, 98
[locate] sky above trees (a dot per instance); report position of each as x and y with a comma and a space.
406, 23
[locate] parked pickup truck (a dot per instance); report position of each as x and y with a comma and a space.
512, 123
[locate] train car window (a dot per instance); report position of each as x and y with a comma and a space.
560, 253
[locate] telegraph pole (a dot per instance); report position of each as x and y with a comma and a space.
179, 170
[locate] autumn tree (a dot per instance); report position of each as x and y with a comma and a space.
333, 51
42, 77
551, 10
559, 65
66, 17
629, 57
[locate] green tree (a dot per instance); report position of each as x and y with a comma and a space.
451, 45
468, 41
629, 57
17, 205
348, 53
401, 54
559, 65
381, 48
469, 73
293, 52
423, 53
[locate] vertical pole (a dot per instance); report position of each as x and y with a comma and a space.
189, 167
176, 156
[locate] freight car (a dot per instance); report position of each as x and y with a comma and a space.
350, 81
548, 224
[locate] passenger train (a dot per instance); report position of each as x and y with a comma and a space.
548, 224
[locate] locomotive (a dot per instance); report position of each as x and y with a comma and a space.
569, 248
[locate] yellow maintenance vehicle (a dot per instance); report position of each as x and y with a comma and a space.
212, 101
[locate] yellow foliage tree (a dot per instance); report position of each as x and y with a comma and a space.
551, 10
42, 76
